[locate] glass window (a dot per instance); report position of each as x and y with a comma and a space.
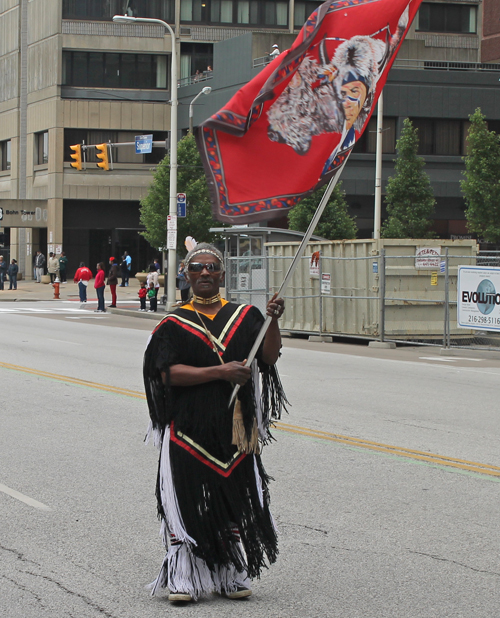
368, 141
438, 17
103, 10
440, 136
102, 70
243, 12
5, 155
42, 148
195, 57
186, 10
226, 11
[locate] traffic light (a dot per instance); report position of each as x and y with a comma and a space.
103, 155
77, 156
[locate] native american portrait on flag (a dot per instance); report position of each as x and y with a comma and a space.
288, 131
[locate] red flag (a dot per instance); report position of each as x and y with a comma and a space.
286, 132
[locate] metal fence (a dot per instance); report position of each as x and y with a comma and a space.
381, 297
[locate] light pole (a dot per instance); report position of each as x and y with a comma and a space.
206, 90
171, 259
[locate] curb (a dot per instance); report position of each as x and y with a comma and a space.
135, 313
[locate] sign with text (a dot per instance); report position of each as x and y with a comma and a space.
181, 204
143, 144
326, 283
427, 257
478, 303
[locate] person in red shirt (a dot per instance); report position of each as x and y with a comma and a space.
143, 292
82, 276
99, 286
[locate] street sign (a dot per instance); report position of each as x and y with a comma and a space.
181, 204
172, 222
143, 144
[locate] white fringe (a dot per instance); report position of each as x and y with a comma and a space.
258, 480
169, 497
258, 410
188, 573
155, 434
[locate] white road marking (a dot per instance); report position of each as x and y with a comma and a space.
84, 317
439, 358
26, 499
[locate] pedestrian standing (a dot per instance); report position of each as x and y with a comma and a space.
12, 272
53, 267
143, 292
126, 267
113, 279
63, 263
212, 489
153, 278
39, 266
183, 283
99, 286
153, 303
82, 276
3, 271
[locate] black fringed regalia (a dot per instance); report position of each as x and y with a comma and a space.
213, 499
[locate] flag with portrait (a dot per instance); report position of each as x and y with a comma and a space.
287, 131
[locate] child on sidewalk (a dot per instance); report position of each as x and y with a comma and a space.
152, 297
142, 295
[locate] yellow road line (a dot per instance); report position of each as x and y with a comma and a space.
77, 381
442, 460
431, 458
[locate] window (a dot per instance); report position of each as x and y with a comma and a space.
103, 10
195, 57
441, 136
42, 148
368, 141
5, 156
107, 70
119, 154
302, 12
243, 12
457, 18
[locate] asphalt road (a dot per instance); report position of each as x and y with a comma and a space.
386, 470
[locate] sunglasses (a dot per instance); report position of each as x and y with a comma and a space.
197, 267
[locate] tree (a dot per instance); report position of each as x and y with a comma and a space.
481, 187
409, 198
335, 222
191, 181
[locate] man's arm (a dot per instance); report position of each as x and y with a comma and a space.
272, 340
186, 375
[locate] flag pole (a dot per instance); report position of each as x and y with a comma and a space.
293, 266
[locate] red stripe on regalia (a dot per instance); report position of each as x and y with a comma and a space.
201, 458
190, 329
236, 324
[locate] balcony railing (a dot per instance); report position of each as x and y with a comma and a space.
194, 79
445, 65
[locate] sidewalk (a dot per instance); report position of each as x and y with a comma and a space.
128, 299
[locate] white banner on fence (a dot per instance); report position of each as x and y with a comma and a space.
478, 304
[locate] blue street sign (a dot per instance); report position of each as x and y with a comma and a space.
375, 267
143, 144
442, 266
181, 204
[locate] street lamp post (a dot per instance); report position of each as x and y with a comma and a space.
206, 90
171, 259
